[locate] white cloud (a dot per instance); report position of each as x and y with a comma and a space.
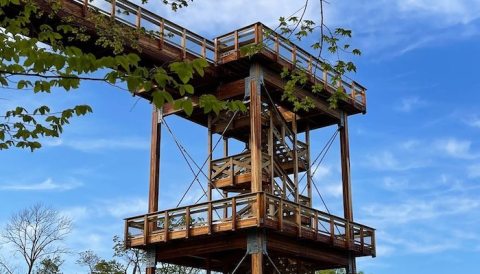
96, 145
334, 190
474, 171
474, 122
47, 185
410, 103
321, 172
388, 161
123, 208
415, 210
455, 148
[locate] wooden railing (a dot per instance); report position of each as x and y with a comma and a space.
297, 219
224, 48
239, 213
286, 53
166, 32
231, 166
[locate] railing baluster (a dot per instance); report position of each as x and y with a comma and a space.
162, 32
259, 209
85, 8
126, 240
280, 215
236, 44
277, 47
294, 56
332, 231
215, 53
184, 43
234, 214
354, 92
139, 17
232, 172
299, 220
204, 48
165, 226
145, 230
362, 241
187, 222
209, 218
315, 227
112, 12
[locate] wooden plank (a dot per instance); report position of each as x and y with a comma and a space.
234, 214
257, 263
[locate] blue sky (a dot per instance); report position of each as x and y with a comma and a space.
415, 154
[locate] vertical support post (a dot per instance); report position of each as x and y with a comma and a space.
225, 193
154, 185
271, 152
209, 151
346, 185
256, 127
295, 158
345, 162
184, 44
309, 171
256, 247
155, 160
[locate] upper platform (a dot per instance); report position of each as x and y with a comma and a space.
164, 41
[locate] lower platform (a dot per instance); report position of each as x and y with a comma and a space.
213, 233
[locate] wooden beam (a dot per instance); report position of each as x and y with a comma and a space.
257, 263
154, 185
309, 172
346, 187
276, 81
256, 127
295, 159
209, 151
345, 162
154, 161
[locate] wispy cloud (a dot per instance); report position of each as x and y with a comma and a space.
122, 208
415, 210
47, 185
101, 144
455, 148
386, 160
474, 122
410, 103
474, 171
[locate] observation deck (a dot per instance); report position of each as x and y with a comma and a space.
263, 208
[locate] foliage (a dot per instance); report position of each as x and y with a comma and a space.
109, 267
50, 265
36, 233
134, 258
89, 259
45, 59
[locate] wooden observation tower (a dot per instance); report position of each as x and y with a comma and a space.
261, 223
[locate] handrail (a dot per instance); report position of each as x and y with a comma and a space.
297, 57
201, 47
179, 222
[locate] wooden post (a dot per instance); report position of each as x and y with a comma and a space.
295, 158
271, 152
155, 161
114, 7
346, 185
155, 170
257, 263
209, 151
256, 128
309, 171
345, 162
